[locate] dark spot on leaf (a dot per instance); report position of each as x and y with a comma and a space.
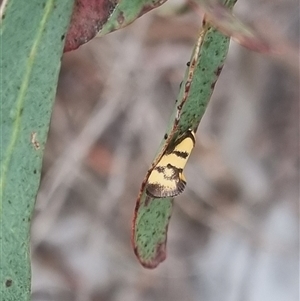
121, 18
8, 282
147, 200
187, 87
62, 37
166, 136
34, 171
219, 70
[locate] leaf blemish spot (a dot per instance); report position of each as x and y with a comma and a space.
219, 70
8, 282
121, 18
34, 141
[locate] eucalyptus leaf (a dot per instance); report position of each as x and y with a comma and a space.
152, 215
32, 40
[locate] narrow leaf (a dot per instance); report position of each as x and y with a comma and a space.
152, 215
32, 38
126, 12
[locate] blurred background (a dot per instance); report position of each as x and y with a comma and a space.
234, 232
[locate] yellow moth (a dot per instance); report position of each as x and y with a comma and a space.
167, 179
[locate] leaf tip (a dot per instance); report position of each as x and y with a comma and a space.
152, 263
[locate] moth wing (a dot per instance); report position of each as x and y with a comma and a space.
181, 184
170, 188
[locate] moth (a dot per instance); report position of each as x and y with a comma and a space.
167, 179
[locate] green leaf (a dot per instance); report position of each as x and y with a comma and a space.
152, 215
150, 229
32, 38
126, 12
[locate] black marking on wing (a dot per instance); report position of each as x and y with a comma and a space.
181, 186
175, 174
158, 191
181, 154
173, 144
160, 169
154, 190
172, 166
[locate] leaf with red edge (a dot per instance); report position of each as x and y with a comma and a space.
150, 229
87, 19
152, 215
